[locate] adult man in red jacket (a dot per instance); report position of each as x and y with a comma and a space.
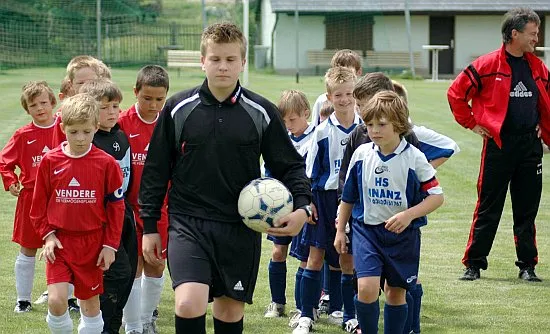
504, 97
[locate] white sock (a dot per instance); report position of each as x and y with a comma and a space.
60, 324
151, 288
90, 325
71, 291
24, 276
132, 310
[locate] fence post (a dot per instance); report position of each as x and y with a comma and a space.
173, 33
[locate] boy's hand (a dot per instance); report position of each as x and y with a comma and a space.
48, 252
152, 248
314, 216
398, 223
291, 224
15, 189
340, 242
106, 257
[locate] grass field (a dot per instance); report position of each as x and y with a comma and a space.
498, 303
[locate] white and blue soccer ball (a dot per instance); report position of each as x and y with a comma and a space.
263, 202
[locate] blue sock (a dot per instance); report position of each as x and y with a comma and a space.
298, 288
395, 317
416, 293
410, 309
336, 291
326, 279
367, 315
347, 297
277, 281
310, 291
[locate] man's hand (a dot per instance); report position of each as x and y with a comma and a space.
15, 189
152, 248
398, 223
48, 252
483, 132
314, 216
291, 224
106, 257
340, 242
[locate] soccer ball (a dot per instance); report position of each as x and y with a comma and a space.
263, 202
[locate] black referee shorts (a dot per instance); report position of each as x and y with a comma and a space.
225, 256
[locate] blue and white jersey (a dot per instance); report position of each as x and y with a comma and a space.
381, 186
316, 110
326, 151
433, 144
301, 144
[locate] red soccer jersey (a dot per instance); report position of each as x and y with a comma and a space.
79, 194
25, 150
139, 134
58, 136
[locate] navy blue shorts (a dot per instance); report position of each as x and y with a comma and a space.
321, 235
284, 241
299, 250
379, 252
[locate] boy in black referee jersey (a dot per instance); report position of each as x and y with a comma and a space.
207, 144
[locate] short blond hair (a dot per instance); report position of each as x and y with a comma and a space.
222, 33
32, 89
389, 106
347, 58
79, 109
293, 102
400, 89
66, 87
338, 75
85, 61
101, 88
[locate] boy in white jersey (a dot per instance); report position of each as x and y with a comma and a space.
322, 166
294, 109
391, 187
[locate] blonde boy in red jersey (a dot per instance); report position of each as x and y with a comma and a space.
138, 123
24, 150
76, 179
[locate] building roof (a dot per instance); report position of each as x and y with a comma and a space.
320, 6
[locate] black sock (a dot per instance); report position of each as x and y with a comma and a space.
191, 325
221, 327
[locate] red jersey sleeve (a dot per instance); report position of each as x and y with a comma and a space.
9, 160
41, 196
58, 135
114, 205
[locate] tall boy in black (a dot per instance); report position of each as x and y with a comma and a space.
207, 144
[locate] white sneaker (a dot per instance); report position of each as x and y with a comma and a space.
336, 318
305, 325
43, 298
295, 316
274, 310
351, 326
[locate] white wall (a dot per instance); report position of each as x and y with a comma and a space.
311, 37
475, 35
268, 21
390, 34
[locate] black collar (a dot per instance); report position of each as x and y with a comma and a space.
208, 98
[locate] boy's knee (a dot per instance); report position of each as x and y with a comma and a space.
346, 264
395, 295
279, 253
367, 293
153, 271
57, 306
227, 309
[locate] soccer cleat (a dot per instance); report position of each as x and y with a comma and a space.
471, 274
305, 325
22, 306
324, 304
274, 310
43, 298
528, 274
73, 305
155, 315
295, 316
336, 318
351, 326
150, 328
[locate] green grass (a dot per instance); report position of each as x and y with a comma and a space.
498, 303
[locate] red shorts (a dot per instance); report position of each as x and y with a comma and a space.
76, 263
23, 231
162, 228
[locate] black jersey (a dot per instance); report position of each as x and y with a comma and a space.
115, 143
209, 150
